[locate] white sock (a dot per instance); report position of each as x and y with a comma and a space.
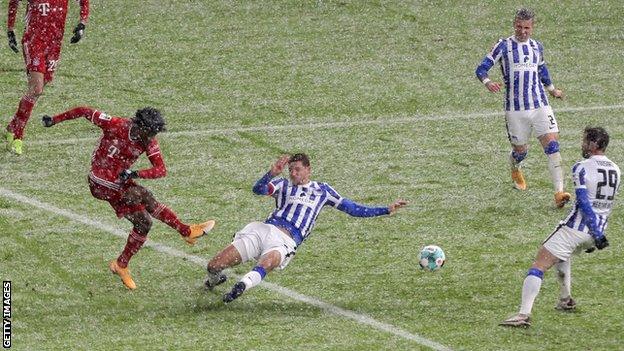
530, 289
564, 276
251, 279
556, 173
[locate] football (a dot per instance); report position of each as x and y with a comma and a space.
432, 258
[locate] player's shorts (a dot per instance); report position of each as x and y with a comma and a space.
113, 193
257, 239
565, 241
521, 123
42, 57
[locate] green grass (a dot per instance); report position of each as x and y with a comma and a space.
382, 95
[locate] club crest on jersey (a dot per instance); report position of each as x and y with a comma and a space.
44, 8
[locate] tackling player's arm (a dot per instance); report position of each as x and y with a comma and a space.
13, 5
81, 26
357, 210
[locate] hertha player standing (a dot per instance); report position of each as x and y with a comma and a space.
527, 109
41, 44
123, 141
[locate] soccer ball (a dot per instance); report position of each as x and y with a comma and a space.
431, 258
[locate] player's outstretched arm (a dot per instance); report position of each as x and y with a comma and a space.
74, 113
81, 26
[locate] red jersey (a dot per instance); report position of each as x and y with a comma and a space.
45, 19
116, 150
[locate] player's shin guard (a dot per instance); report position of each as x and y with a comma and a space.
133, 245
530, 289
515, 158
167, 216
254, 277
24, 110
554, 164
565, 278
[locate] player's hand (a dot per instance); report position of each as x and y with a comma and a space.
601, 242
12, 41
396, 205
78, 33
128, 174
278, 167
557, 93
494, 87
47, 121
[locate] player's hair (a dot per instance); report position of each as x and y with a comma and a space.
150, 118
597, 135
305, 160
525, 14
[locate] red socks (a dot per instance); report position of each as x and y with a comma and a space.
18, 123
165, 215
133, 245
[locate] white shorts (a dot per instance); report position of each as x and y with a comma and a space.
565, 241
520, 124
257, 239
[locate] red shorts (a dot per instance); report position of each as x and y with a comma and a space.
114, 196
42, 57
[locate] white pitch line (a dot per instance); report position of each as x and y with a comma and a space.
384, 120
328, 308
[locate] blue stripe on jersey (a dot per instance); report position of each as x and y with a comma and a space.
516, 93
533, 87
514, 48
525, 92
582, 177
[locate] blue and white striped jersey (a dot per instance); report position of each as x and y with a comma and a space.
298, 206
524, 72
597, 178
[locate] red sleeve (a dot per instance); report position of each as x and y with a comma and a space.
158, 169
96, 117
13, 4
84, 11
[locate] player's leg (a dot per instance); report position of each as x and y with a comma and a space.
142, 223
15, 128
550, 143
278, 250
531, 287
564, 277
518, 132
226, 258
547, 132
161, 212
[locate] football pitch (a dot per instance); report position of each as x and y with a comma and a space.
382, 96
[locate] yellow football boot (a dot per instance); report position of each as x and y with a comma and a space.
562, 198
123, 273
518, 179
198, 230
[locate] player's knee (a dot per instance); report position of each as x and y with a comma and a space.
552, 147
518, 156
536, 272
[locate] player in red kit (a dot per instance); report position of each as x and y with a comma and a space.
111, 179
41, 43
